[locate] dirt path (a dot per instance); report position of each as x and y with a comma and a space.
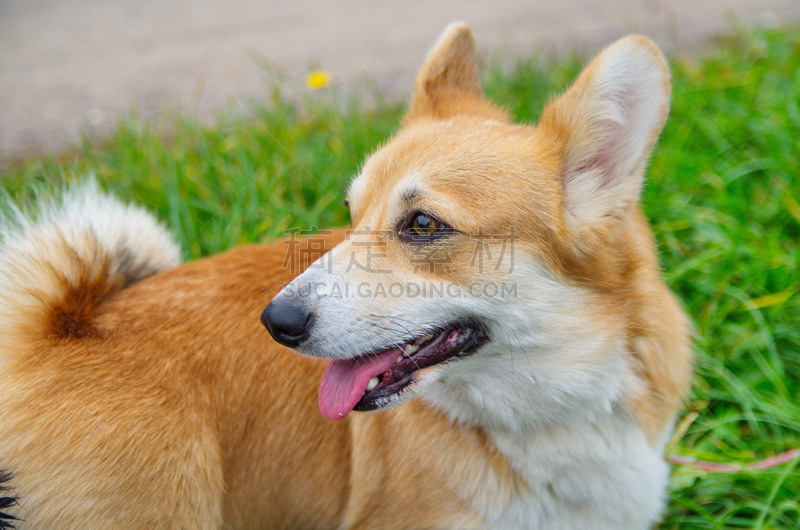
72, 64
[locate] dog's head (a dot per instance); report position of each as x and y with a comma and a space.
491, 267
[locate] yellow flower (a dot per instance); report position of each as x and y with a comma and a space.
317, 79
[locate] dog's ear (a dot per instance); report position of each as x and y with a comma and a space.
448, 83
606, 125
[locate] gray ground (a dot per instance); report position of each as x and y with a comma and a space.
67, 65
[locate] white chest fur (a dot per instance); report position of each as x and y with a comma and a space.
603, 475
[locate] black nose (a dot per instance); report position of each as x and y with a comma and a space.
287, 322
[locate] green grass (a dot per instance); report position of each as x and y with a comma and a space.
722, 195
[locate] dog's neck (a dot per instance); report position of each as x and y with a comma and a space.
579, 453
518, 392
578, 475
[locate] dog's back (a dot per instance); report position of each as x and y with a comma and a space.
137, 395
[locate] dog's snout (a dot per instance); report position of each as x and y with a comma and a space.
287, 321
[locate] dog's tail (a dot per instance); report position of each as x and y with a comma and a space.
63, 257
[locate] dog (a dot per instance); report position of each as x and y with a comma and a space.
489, 345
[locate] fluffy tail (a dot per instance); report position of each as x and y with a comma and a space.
62, 259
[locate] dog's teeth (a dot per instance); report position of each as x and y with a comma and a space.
399, 359
410, 348
423, 339
372, 383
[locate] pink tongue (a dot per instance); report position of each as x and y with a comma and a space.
345, 381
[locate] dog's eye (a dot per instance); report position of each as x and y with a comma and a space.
423, 227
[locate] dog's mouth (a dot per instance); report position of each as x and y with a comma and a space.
374, 380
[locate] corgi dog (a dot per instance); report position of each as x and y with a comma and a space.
489, 345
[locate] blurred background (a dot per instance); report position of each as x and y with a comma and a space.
68, 66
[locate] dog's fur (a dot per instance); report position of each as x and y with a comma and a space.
135, 393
